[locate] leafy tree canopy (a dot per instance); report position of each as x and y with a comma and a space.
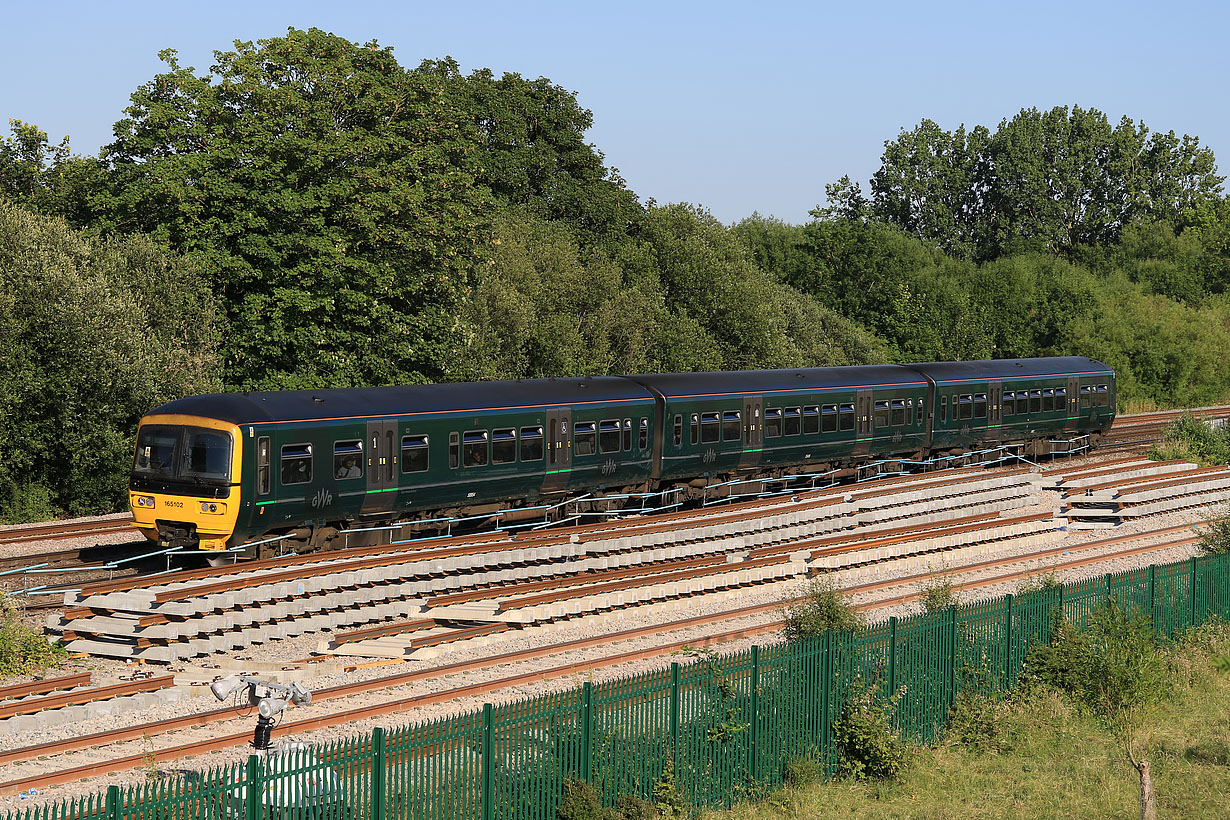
93, 333
329, 194
1056, 180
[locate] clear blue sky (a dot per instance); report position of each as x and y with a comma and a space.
733, 106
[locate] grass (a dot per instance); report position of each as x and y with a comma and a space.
1052, 762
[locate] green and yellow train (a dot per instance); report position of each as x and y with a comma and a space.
221, 471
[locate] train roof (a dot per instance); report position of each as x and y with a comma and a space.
755, 382
374, 402
998, 369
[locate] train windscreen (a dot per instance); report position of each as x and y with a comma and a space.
174, 452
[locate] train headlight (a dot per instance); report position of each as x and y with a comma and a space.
212, 508
145, 501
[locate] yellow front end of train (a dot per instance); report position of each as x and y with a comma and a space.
184, 486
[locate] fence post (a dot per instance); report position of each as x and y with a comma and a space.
488, 755
1108, 588
826, 695
753, 745
113, 802
674, 707
380, 773
253, 807
1153, 596
1193, 591
892, 656
587, 730
1008, 641
952, 653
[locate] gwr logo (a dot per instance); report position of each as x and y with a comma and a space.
610, 466
322, 499
710, 456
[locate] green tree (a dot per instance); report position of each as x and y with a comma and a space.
92, 335
329, 194
532, 154
1123, 678
1056, 180
45, 177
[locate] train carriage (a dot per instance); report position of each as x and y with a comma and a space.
224, 470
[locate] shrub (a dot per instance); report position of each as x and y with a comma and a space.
1039, 583
822, 609
25, 503
867, 746
631, 807
667, 797
1188, 437
1060, 662
1215, 538
801, 771
580, 802
22, 647
938, 594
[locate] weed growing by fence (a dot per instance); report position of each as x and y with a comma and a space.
822, 609
22, 647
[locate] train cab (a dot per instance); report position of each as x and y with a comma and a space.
183, 489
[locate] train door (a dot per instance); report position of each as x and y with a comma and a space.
995, 409
559, 449
381, 465
1074, 397
753, 435
863, 408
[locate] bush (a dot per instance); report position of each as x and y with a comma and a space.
863, 737
22, 647
1061, 662
801, 771
1187, 437
25, 503
580, 802
938, 594
1039, 583
822, 609
1215, 539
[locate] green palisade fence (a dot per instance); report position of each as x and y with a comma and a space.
724, 725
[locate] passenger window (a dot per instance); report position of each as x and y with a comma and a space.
898, 412
531, 443
1086, 393
881, 414
709, 425
608, 436
296, 464
627, 434
732, 425
1009, 404
918, 415
792, 422
965, 405
643, 442
695, 427
1061, 399
454, 450
811, 420
828, 418
347, 459
847, 417
585, 438
1103, 396
943, 408
1048, 401
772, 423
980, 405
1035, 401
678, 430
264, 476
474, 449
504, 445
414, 454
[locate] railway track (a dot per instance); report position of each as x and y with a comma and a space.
64, 531
903, 590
